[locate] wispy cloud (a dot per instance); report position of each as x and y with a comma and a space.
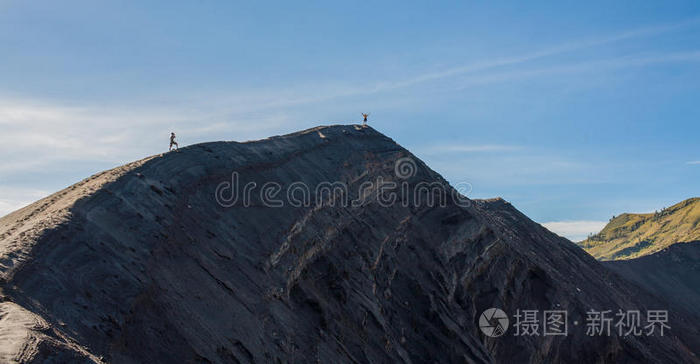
542, 53
692, 162
37, 133
575, 230
580, 67
478, 72
40, 138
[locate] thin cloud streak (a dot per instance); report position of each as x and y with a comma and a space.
592, 66
561, 49
37, 134
289, 99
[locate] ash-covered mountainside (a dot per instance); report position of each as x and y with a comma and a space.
158, 262
673, 274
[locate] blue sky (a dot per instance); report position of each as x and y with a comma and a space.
573, 111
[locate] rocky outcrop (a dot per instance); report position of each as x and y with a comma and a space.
158, 261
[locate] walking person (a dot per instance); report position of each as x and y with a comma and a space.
173, 142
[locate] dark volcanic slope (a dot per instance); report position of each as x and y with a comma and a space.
673, 274
140, 264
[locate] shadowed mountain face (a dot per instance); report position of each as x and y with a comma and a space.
673, 274
636, 235
156, 261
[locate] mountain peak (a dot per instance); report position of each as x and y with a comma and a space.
225, 251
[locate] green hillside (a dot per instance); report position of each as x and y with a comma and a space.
634, 235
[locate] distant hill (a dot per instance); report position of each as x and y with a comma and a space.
635, 235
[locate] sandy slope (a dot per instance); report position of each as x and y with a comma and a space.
20, 229
24, 335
